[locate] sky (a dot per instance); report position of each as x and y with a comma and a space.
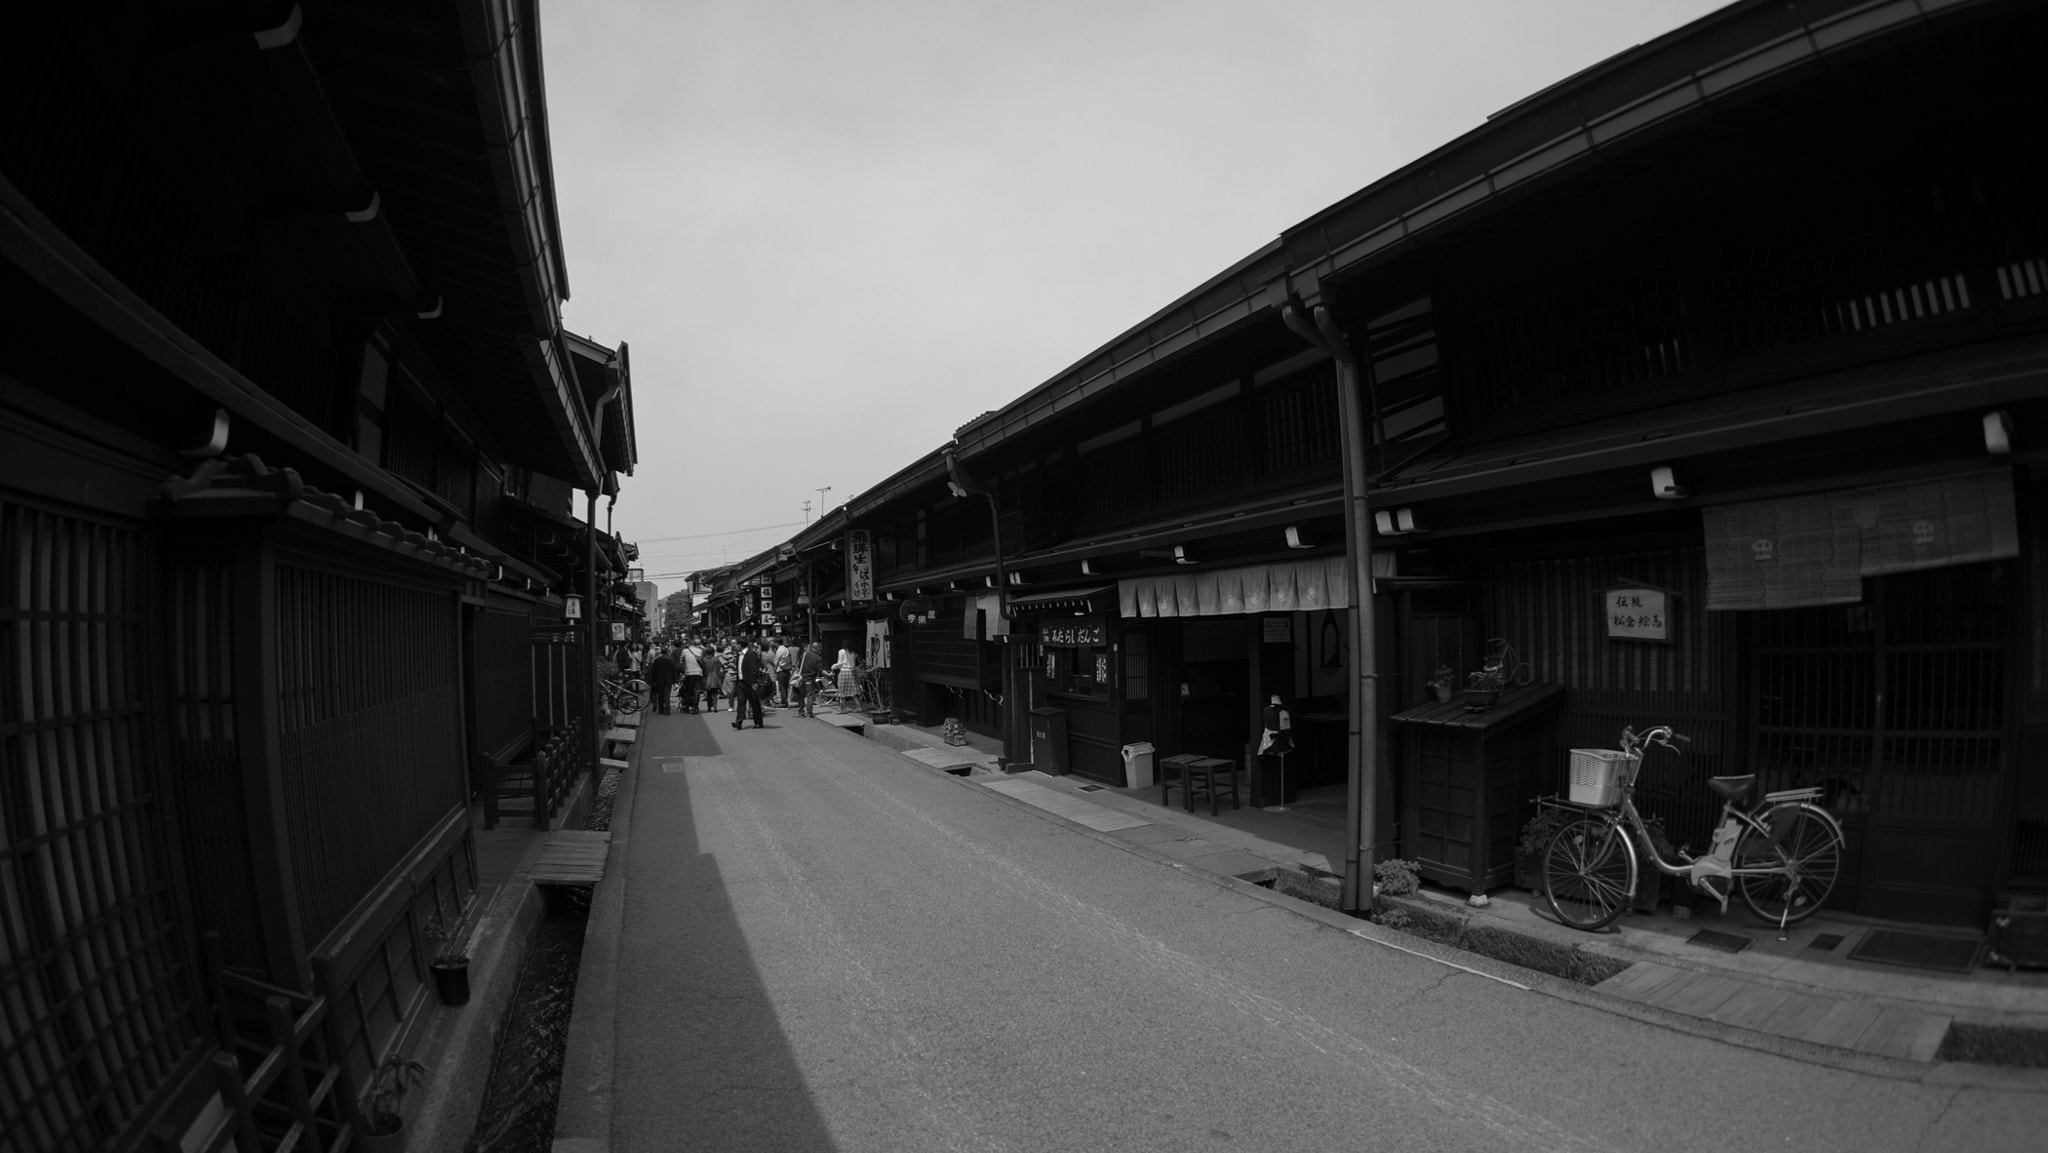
834, 231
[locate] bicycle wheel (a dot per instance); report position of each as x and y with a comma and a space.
1588, 872
636, 685
1809, 857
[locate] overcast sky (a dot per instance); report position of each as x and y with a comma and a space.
833, 231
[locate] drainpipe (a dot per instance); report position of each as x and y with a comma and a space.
1361, 817
963, 484
590, 572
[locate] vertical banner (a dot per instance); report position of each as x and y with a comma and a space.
860, 567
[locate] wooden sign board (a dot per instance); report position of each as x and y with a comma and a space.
1638, 614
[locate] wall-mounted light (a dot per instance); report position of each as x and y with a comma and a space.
1396, 522
1016, 578
1182, 554
1664, 484
1087, 568
1998, 433
1298, 539
953, 486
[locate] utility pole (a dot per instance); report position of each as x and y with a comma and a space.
821, 501
807, 512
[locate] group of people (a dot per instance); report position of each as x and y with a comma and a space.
749, 670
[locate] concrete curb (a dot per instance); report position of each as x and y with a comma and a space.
583, 1118
458, 1043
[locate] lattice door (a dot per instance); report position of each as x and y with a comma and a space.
97, 1006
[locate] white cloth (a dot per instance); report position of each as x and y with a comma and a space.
878, 644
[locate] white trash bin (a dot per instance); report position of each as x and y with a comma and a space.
1138, 765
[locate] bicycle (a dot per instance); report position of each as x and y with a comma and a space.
1783, 853
622, 696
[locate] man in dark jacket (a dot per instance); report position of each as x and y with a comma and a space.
747, 686
661, 674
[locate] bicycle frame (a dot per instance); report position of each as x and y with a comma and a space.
1627, 814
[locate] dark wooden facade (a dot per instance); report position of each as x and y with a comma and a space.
282, 367
1790, 257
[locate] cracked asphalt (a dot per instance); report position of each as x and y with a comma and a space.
827, 946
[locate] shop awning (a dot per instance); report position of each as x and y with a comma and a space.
1086, 600
1283, 587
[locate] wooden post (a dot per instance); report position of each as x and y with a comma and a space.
272, 874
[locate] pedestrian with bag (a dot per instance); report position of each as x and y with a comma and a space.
848, 665
811, 673
692, 661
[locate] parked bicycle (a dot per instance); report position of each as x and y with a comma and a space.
623, 695
1782, 853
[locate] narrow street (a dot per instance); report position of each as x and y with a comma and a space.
826, 945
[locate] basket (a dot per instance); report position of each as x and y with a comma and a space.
1599, 775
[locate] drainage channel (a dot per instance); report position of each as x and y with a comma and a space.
524, 1086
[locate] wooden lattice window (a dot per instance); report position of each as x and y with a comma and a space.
97, 1006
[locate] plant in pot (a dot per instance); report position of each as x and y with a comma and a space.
450, 965
1535, 841
383, 1124
1445, 682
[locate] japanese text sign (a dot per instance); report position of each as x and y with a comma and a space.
860, 566
1638, 614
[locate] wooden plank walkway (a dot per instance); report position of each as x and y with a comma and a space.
1861, 1026
571, 857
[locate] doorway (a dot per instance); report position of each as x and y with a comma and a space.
1896, 708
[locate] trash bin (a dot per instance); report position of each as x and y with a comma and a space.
1138, 765
1049, 741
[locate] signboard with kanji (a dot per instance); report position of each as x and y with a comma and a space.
618, 630
1638, 614
860, 566
1080, 634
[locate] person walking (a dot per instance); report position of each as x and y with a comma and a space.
692, 662
749, 671
849, 662
811, 674
785, 664
661, 673
714, 678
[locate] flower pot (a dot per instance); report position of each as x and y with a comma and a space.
1479, 700
1443, 694
451, 979
391, 1140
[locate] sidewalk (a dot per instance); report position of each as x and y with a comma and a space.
1801, 994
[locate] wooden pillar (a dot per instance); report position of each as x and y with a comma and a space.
272, 874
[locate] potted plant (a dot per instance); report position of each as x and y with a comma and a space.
1482, 688
1444, 682
383, 1124
450, 965
1535, 841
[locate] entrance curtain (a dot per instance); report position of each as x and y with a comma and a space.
1320, 583
1815, 549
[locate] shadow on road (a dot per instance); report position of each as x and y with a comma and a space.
701, 1061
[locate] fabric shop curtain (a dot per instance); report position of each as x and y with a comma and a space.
1816, 548
1305, 585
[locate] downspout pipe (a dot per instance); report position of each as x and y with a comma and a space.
1361, 801
964, 483
590, 570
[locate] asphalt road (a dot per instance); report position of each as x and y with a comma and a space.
826, 946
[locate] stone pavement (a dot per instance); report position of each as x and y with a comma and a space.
1771, 993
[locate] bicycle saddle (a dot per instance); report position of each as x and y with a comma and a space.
1733, 788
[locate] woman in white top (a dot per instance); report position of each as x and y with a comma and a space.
848, 694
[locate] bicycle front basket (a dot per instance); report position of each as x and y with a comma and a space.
1598, 776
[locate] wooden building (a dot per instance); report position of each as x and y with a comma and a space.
290, 439
1745, 324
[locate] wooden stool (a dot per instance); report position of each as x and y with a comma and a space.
1201, 776
1173, 771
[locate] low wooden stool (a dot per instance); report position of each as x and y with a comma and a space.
1173, 771
1201, 777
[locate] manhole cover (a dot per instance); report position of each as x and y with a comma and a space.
1726, 942
1826, 942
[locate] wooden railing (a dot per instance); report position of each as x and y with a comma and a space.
293, 1096
541, 771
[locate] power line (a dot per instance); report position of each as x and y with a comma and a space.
727, 532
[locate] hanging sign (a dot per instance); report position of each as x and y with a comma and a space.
860, 566
1638, 614
618, 630
572, 608
1079, 634
1101, 668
